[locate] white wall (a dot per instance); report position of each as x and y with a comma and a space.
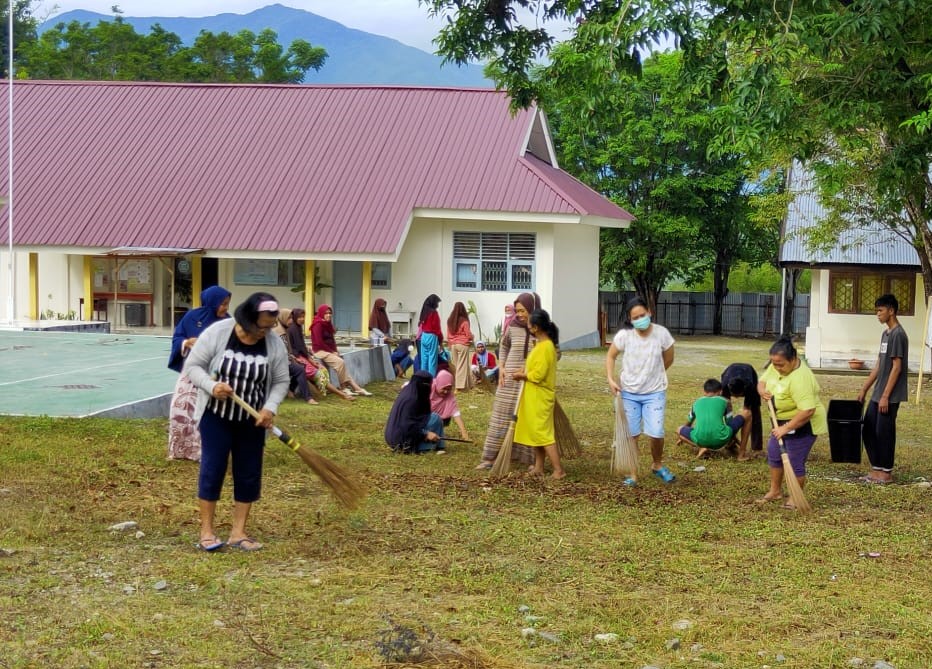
575, 281
832, 339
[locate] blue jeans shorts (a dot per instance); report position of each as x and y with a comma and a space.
645, 413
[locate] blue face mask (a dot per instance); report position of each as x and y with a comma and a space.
641, 323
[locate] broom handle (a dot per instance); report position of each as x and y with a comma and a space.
283, 436
462, 441
773, 421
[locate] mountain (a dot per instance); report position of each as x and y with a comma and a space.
354, 56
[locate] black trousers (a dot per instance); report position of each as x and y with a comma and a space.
879, 435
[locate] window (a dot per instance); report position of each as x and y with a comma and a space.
268, 272
499, 261
381, 275
855, 293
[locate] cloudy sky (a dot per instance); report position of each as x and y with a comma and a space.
404, 20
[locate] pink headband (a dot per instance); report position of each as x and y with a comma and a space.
268, 305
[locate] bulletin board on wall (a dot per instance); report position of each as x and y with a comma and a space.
135, 275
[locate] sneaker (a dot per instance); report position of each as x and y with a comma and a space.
665, 475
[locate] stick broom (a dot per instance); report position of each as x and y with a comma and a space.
624, 452
345, 489
503, 460
567, 442
797, 496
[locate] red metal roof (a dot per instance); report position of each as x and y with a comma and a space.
275, 168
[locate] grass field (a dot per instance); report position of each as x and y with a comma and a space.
440, 568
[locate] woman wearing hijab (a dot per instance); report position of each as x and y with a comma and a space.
297, 348
430, 336
443, 402
324, 345
411, 426
236, 357
484, 362
184, 441
296, 373
516, 341
379, 323
460, 337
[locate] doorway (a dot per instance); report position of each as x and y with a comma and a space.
347, 296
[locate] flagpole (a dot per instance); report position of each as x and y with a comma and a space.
11, 297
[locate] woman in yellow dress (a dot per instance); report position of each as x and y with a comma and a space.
535, 411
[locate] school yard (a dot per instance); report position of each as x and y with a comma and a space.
442, 568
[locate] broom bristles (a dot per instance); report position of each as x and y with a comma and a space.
568, 445
797, 496
624, 452
344, 487
502, 464
795, 490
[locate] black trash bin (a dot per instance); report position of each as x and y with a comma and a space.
844, 430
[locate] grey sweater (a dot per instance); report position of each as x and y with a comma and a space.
207, 354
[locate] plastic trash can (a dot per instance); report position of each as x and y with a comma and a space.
844, 430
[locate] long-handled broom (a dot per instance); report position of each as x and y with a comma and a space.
567, 442
797, 497
503, 460
624, 450
345, 489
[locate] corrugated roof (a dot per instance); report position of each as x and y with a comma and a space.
861, 245
277, 168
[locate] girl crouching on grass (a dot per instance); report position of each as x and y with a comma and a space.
535, 410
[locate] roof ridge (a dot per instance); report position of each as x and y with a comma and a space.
190, 84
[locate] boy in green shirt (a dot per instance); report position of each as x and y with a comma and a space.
711, 426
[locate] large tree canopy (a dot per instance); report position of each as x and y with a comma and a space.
24, 31
113, 50
843, 84
643, 141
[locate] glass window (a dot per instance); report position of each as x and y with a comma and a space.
268, 272
381, 275
498, 261
855, 293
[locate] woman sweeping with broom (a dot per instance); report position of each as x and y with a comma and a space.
515, 344
800, 417
236, 356
535, 410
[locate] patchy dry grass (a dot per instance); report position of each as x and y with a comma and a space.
441, 569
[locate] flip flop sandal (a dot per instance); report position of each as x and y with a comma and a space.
210, 544
872, 481
665, 475
247, 544
630, 483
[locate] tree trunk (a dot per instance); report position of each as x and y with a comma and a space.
789, 299
648, 291
719, 290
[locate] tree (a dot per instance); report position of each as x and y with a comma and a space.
113, 50
844, 83
24, 31
642, 141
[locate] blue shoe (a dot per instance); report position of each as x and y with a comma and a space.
665, 475
630, 483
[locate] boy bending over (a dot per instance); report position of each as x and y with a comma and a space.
710, 425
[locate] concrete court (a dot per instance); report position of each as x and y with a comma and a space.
84, 374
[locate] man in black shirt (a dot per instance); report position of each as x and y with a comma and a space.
879, 430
